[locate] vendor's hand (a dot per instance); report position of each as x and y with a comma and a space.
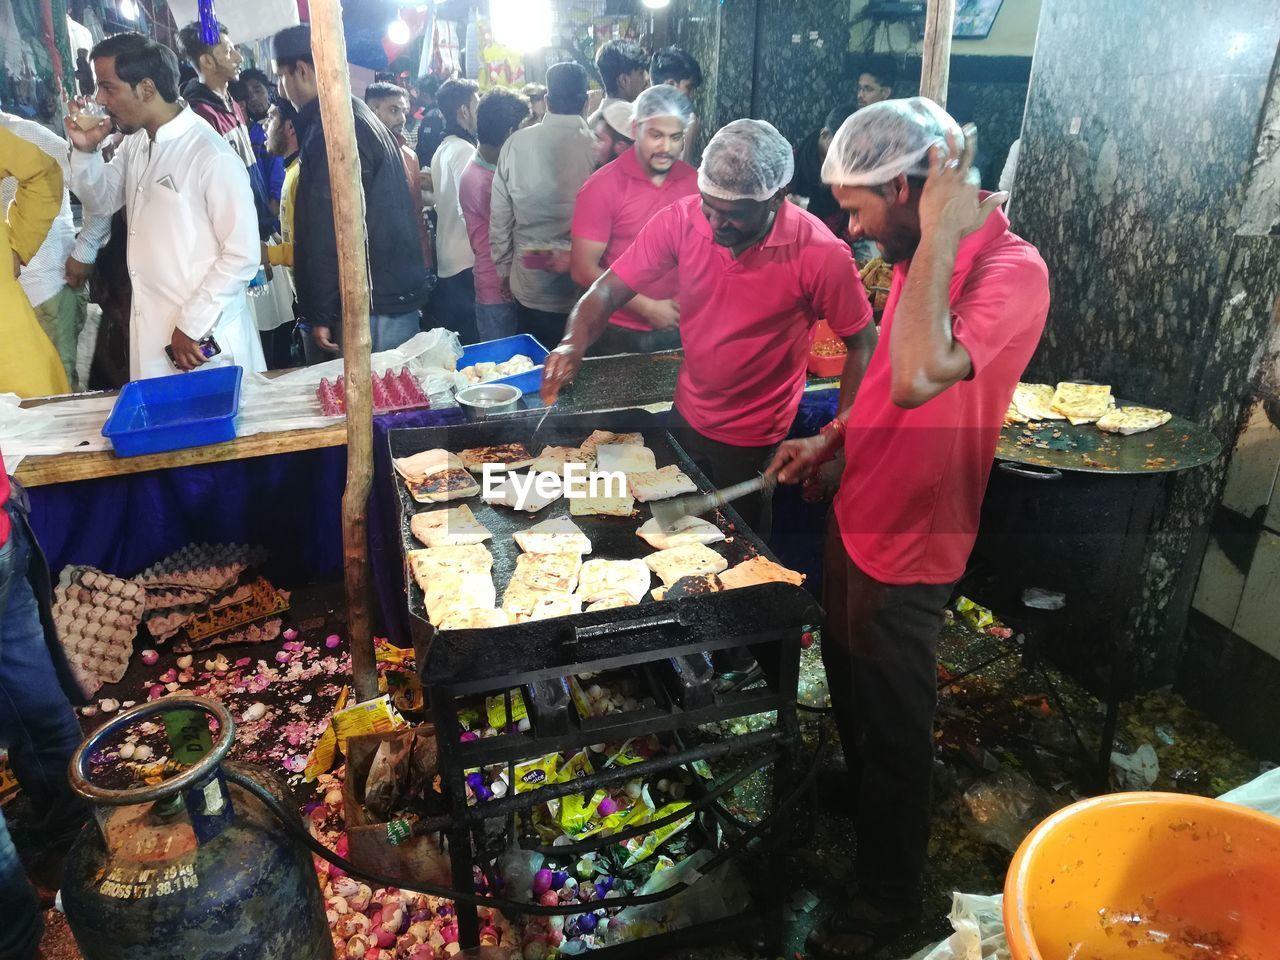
186, 352
797, 460
321, 337
663, 315
949, 203
76, 273
89, 140
558, 371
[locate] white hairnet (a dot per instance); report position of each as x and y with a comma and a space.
746, 160
885, 139
663, 100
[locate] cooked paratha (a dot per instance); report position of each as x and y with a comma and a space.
601, 578
453, 526
600, 438
625, 458
758, 570
1082, 402
508, 456
557, 535
660, 484
1035, 401
685, 531
1130, 420
686, 561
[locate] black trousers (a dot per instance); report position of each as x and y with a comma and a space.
725, 465
617, 339
547, 328
453, 305
879, 645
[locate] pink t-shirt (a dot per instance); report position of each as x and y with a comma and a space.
614, 205
475, 193
745, 324
912, 490
4, 502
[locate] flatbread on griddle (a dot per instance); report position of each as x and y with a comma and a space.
1082, 402
478, 619
671, 565
660, 484
556, 535
426, 463
505, 495
611, 601
453, 484
508, 456
1130, 420
758, 570
1035, 401
601, 578
685, 531
448, 593
600, 438
554, 459
625, 458
547, 571
695, 586
453, 526
601, 506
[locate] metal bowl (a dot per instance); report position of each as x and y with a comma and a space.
483, 400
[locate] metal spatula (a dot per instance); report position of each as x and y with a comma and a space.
669, 512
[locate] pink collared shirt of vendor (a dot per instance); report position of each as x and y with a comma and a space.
911, 495
746, 323
4, 502
614, 205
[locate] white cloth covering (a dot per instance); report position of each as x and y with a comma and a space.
193, 239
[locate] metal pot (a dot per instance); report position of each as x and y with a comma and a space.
484, 400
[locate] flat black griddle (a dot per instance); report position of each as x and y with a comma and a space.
476, 659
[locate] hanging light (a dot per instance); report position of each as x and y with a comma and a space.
521, 24
129, 9
398, 31
656, 4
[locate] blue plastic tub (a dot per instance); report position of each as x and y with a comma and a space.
499, 351
174, 412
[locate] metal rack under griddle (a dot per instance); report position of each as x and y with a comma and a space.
461, 664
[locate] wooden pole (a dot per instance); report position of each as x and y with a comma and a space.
329, 51
935, 67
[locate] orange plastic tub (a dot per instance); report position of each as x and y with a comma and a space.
1146, 876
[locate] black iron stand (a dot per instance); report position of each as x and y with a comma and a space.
641, 645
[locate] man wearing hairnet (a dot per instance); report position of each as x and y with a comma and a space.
618, 200
754, 274
965, 313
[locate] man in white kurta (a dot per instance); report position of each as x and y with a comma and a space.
193, 229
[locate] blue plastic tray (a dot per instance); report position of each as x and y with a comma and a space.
499, 351
174, 412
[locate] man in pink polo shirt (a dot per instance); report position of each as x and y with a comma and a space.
754, 275
617, 201
965, 313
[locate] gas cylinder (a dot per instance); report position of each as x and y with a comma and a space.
193, 867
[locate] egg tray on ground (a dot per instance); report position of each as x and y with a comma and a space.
96, 617
547, 649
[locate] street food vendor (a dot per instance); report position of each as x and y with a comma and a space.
965, 312
754, 275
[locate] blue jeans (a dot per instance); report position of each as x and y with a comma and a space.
495, 320
40, 731
388, 330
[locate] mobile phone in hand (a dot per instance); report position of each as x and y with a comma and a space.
208, 349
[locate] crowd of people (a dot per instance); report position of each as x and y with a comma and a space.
588, 226
519, 201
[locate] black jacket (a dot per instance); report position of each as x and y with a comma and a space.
399, 280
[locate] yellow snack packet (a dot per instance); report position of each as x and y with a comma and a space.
642, 847
531, 774
496, 709
325, 752
372, 716
579, 698
575, 768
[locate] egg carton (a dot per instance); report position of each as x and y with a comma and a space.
235, 614
96, 617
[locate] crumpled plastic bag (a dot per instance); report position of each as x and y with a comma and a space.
1262, 793
1005, 807
714, 896
979, 931
1137, 770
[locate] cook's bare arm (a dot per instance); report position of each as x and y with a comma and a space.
587, 321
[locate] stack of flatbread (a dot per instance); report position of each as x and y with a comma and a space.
435, 476
543, 586
1033, 401
1081, 403
456, 581
450, 527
